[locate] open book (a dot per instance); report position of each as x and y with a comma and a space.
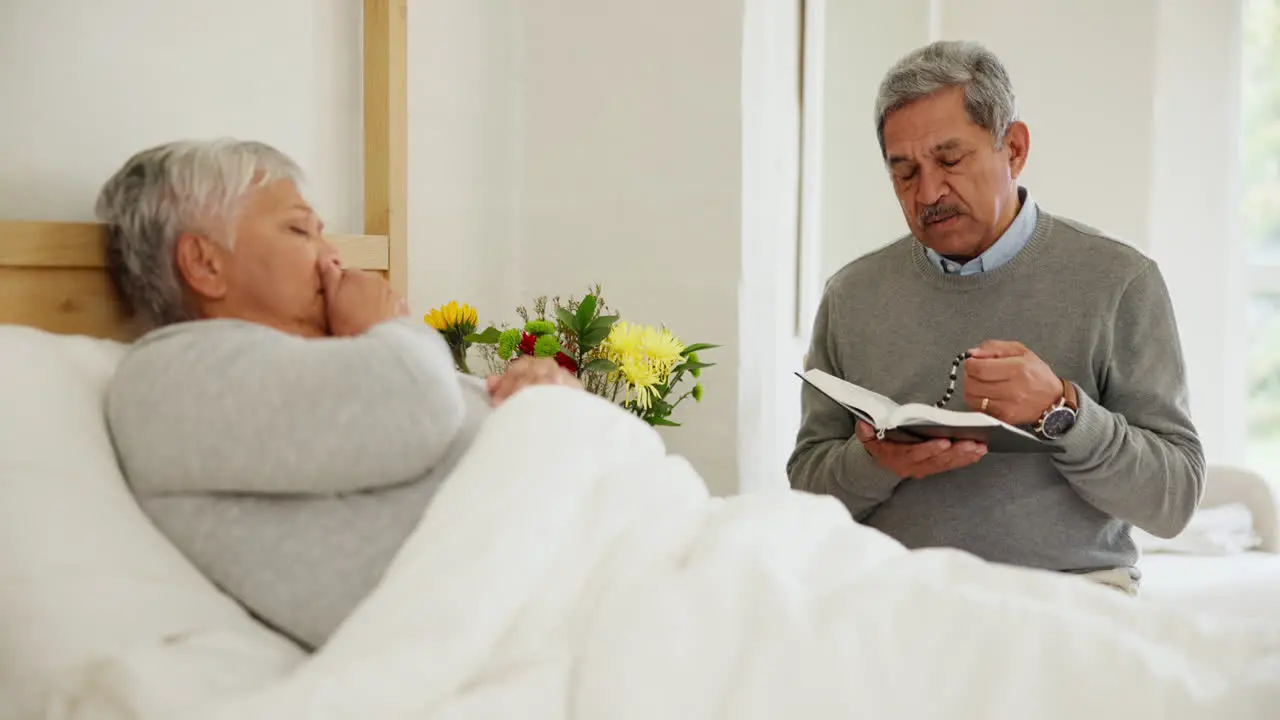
915, 422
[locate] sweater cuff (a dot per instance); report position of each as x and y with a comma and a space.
862, 475
1093, 425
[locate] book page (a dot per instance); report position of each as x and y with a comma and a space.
879, 407
916, 413
919, 413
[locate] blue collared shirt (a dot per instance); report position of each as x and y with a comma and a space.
1005, 248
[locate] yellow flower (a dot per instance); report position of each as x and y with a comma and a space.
644, 356
453, 317
641, 380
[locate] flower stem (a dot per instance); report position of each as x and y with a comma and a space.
459, 353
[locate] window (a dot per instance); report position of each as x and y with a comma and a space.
1260, 197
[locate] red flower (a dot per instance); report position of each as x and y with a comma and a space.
527, 342
567, 362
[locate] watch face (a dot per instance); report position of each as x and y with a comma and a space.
1058, 423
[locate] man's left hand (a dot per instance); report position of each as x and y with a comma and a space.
1007, 381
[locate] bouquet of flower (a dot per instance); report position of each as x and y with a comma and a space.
641, 367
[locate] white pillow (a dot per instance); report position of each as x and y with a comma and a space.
1220, 530
84, 576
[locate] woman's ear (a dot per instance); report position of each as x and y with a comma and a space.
202, 264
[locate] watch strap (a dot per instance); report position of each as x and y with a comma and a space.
1069, 396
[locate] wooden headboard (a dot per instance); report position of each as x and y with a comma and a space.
52, 274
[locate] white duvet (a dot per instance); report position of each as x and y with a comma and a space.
570, 569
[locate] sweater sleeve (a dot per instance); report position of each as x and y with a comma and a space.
828, 458
226, 406
1134, 452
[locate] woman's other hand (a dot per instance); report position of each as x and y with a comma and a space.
525, 372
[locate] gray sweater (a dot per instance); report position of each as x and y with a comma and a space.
290, 471
1098, 312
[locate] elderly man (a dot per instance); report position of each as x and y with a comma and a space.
282, 425
1071, 333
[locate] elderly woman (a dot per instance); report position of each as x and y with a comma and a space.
282, 423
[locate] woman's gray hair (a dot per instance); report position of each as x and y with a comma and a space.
988, 92
171, 189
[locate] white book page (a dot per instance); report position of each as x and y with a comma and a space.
916, 414
879, 407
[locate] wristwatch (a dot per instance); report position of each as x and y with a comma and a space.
1058, 420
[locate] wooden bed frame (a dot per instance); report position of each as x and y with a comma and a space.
52, 274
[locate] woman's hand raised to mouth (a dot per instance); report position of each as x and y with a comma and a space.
525, 372
356, 300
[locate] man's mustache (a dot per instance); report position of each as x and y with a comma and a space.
934, 213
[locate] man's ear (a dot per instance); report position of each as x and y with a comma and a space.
1017, 142
202, 265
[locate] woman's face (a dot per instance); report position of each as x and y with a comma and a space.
271, 276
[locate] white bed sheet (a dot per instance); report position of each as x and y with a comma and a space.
607, 583
1246, 585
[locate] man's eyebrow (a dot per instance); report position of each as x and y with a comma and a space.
944, 146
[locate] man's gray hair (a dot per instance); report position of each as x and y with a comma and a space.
988, 92
171, 189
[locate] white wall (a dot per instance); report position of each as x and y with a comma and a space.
859, 210
1131, 107
632, 176
464, 154
85, 84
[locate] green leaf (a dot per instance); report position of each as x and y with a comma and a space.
567, 319
690, 366
696, 347
586, 309
488, 337
604, 321
600, 365
592, 338
659, 407
662, 422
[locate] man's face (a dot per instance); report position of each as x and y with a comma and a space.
272, 276
957, 191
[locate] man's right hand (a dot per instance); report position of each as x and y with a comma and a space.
356, 300
919, 460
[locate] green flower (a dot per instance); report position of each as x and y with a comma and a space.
547, 346
696, 372
507, 343
697, 393
540, 327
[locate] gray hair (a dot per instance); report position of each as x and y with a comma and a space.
171, 189
988, 92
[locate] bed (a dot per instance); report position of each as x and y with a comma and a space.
93, 580
1231, 584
